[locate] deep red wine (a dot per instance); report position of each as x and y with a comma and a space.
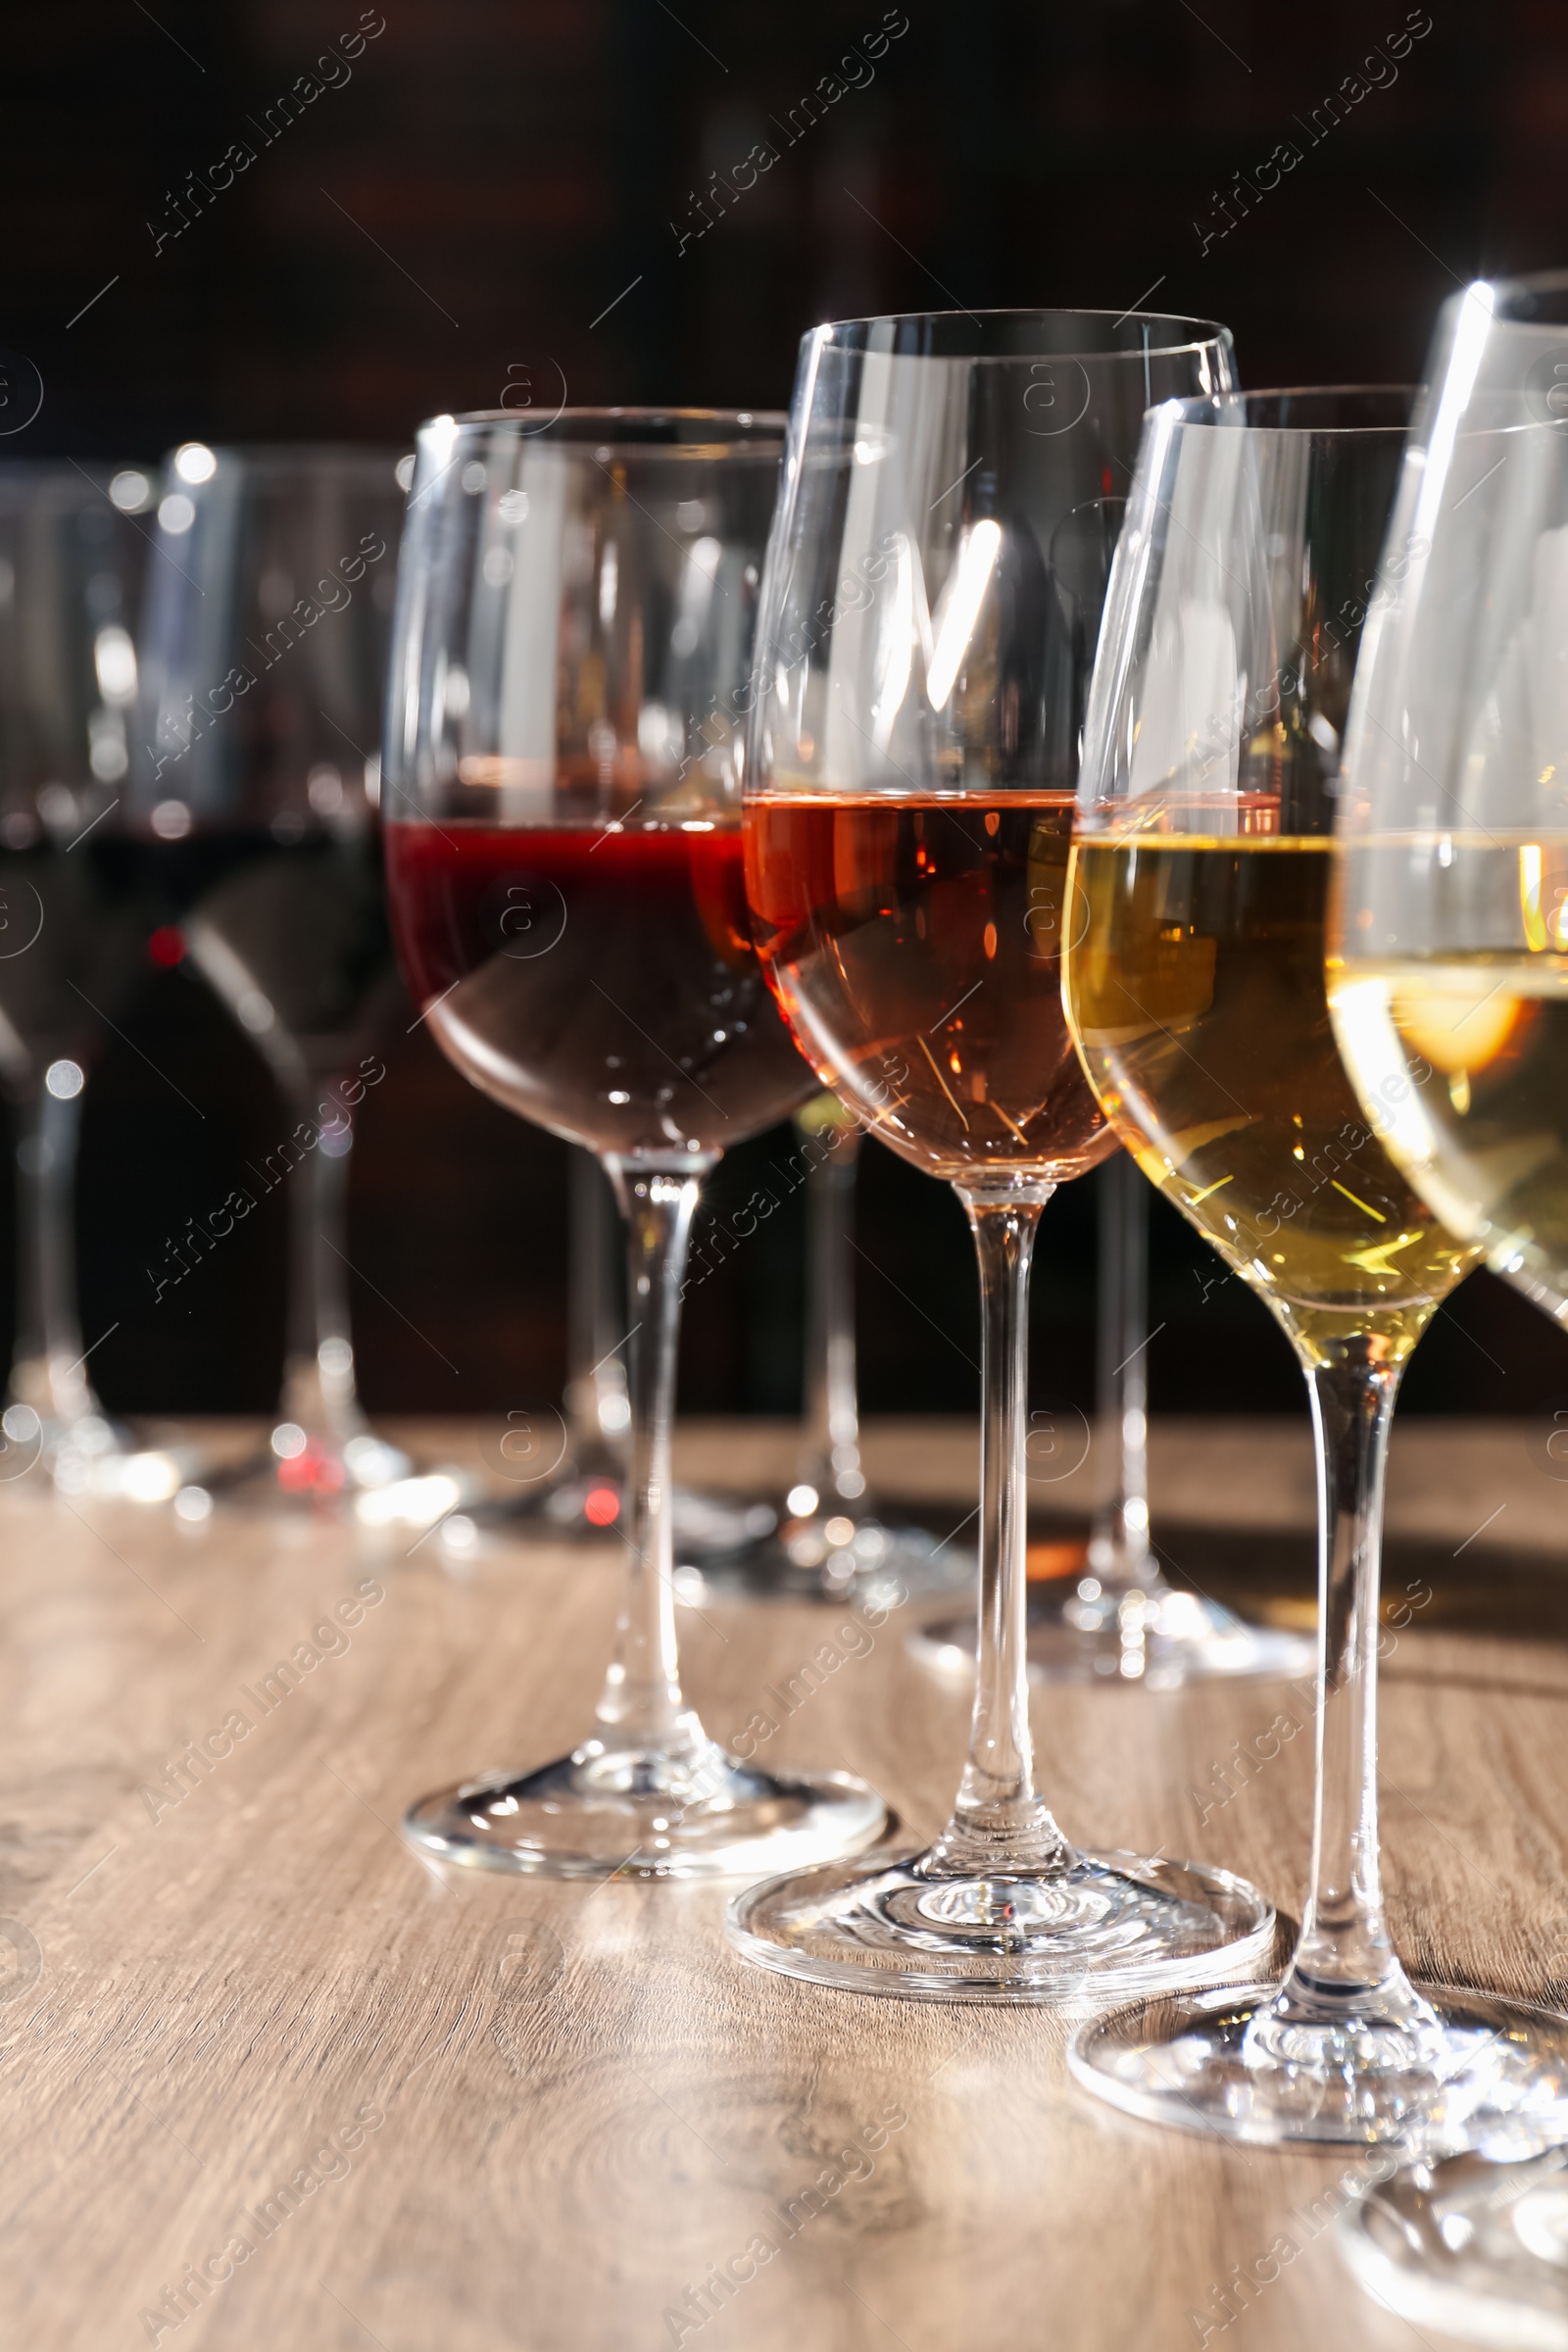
602, 983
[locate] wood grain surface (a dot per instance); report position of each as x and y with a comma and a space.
458, 2115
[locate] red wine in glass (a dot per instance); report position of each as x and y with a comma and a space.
599, 979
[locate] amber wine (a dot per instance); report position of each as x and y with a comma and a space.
1484, 1138
1197, 998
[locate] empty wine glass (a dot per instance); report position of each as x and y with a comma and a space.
834, 1536
255, 789
73, 922
1117, 1618
575, 616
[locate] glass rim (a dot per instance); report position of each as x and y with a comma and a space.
1513, 295
1211, 408
655, 429
849, 334
277, 457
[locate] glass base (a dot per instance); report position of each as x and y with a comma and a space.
1467, 2071
1100, 1925
1473, 2247
839, 1558
646, 1814
589, 1507
1158, 1640
94, 1455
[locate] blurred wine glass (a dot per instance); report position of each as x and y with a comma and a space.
254, 788
72, 927
834, 1535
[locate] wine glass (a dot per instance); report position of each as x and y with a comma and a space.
834, 1536
569, 1467
909, 800
575, 614
1117, 1618
254, 788
73, 928
1449, 987
1195, 984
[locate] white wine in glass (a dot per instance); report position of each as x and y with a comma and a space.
1448, 982
1195, 978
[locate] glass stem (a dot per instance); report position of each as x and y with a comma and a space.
1118, 1551
642, 1704
830, 1435
48, 1370
999, 1822
1343, 1955
597, 1412
318, 1385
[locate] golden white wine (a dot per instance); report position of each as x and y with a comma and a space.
1481, 1044
1198, 1002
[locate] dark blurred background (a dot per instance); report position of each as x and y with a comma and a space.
488, 200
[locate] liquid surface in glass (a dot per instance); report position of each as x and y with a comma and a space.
1474, 1045
599, 979
915, 947
1199, 1004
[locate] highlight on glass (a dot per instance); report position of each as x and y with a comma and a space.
1449, 987
563, 748
1195, 981
908, 804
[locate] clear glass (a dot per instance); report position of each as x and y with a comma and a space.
1120, 1619
254, 792
568, 1476
912, 755
575, 616
833, 1536
1449, 987
1449, 976
1195, 984
73, 924
1471, 2246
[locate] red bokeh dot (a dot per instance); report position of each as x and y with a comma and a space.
603, 1505
167, 946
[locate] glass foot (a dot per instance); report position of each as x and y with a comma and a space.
1100, 1925
606, 1809
1463, 2071
587, 1508
1159, 1640
94, 1455
838, 1557
1471, 2246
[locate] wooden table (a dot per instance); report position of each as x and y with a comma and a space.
489, 2113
